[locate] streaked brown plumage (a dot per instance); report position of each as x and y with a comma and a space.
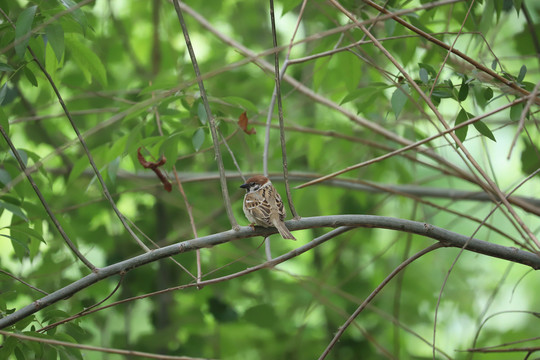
263, 205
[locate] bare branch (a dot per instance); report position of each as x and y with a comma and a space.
96, 348
374, 293
23, 282
211, 120
511, 84
447, 238
44, 202
280, 113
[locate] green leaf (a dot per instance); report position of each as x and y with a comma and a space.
398, 100
159, 85
347, 69
242, 103
23, 323
9, 347
363, 93
133, 138
50, 316
30, 76
13, 209
20, 248
494, 65
117, 150
484, 130
461, 133
529, 158
201, 112
24, 229
3, 92
463, 91
442, 93
19, 355
55, 36
515, 112
390, 27
77, 15
4, 123
78, 167
5, 178
71, 353
522, 73
488, 93
169, 149
5, 67
430, 70
262, 315
87, 60
517, 5
424, 75
198, 138
22, 28
289, 5
112, 169
22, 154
222, 311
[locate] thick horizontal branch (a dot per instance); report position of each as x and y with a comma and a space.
447, 238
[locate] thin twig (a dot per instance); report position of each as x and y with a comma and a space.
461, 252
374, 293
512, 312
411, 145
224, 140
53, 116
532, 29
186, 203
490, 187
449, 51
156, 45
157, 246
23, 282
96, 348
527, 203
280, 113
523, 116
252, 57
85, 148
44, 202
270, 263
210, 117
274, 94
436, 41
86, 310
37, 29
446, 237
191, 219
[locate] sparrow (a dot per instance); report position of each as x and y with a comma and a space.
263, 206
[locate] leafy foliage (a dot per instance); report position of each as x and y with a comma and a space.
126, 80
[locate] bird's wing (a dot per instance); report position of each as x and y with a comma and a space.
259, 208
276, 202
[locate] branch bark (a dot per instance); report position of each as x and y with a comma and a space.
447, 238
210, 117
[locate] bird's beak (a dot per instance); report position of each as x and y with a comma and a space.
244, 186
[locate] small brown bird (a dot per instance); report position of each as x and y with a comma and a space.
263, 205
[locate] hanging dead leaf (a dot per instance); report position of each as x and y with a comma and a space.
243, 123
154, 166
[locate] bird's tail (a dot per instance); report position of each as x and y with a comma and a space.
283, 231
